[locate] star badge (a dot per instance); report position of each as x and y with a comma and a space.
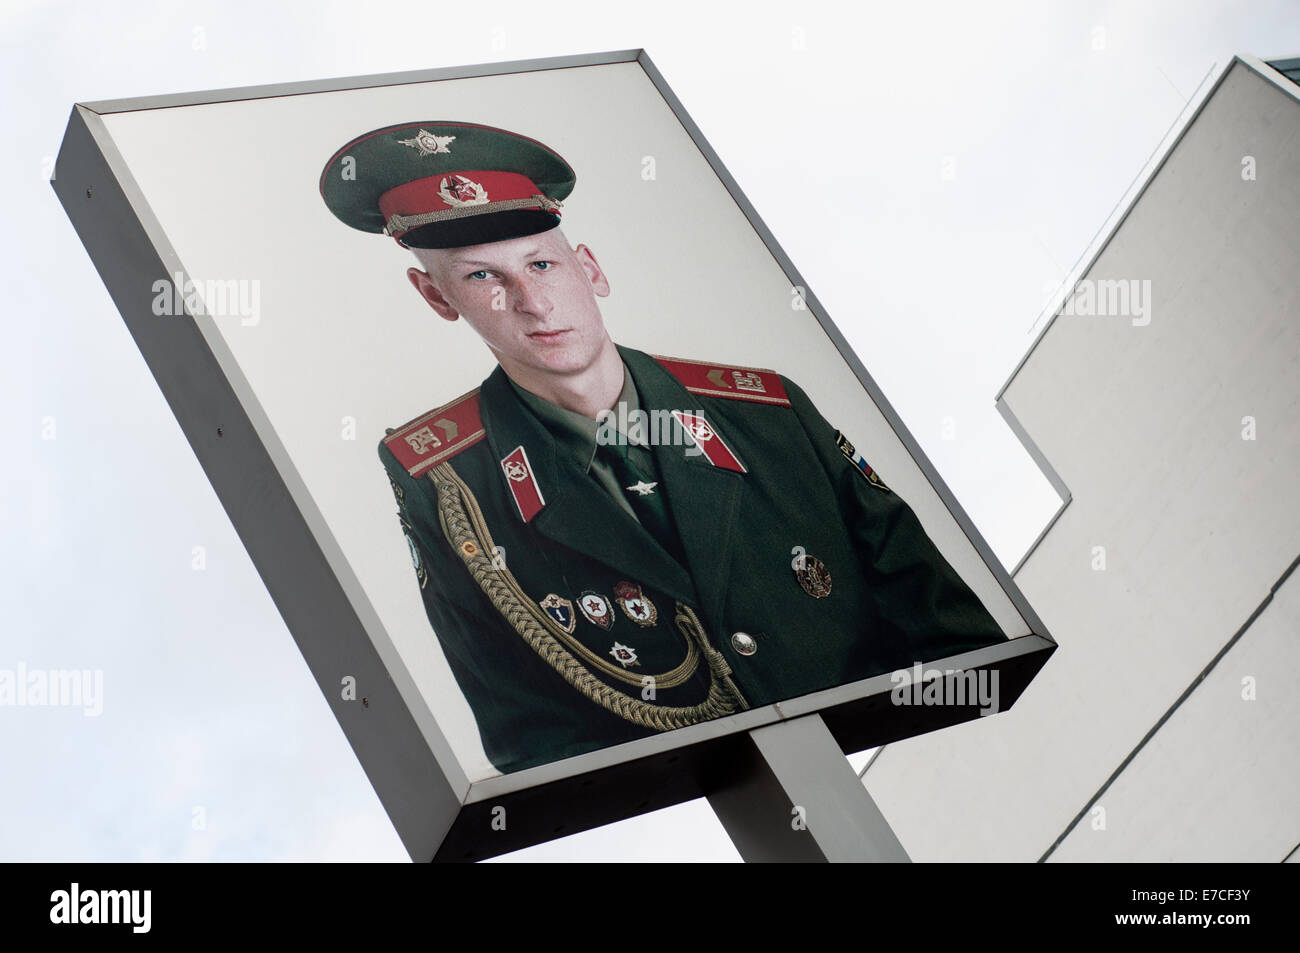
428, 143
559, 609
457, 190
642, 487
635, 605
596, 609
624, 654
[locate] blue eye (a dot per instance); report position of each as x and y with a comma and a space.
477, 275
548, 265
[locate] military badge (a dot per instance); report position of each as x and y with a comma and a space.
428, 143
625, 655
523, 487
709, 442
699, 429
457, 190
813, 576
595, 608
560, 610
635, 605
859, 462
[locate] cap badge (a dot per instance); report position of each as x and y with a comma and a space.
457, 190
428, 143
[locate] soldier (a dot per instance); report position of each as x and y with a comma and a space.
611, 544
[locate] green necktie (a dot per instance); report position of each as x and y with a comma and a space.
642, 490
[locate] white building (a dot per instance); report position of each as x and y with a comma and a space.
1163, 403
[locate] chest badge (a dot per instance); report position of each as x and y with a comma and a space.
561, 610
813, 576
596, 610
625, 655
635, 605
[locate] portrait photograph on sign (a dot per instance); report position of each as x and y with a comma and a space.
577, 447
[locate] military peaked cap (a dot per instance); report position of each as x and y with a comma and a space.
446, 184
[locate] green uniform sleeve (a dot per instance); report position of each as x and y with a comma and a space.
446, 597
913, 586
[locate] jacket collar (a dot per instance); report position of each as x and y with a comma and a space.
577, 513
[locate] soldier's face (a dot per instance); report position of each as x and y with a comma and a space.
532, 300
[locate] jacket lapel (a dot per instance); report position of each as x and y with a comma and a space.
705, 500
576, 512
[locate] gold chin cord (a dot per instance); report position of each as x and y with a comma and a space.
466, 530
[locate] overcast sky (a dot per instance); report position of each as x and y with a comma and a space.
989, 144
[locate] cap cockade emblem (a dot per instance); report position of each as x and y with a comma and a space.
428, 143
457, 190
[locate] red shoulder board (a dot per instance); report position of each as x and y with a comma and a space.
438, 435
721, 380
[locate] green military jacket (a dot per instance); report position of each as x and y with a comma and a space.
568, 627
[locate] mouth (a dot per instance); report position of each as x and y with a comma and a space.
547, 336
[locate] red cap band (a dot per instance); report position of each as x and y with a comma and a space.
454, 190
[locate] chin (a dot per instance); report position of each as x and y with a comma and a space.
563, 365
567, 361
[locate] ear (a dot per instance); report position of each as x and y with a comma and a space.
422, 283
599, 283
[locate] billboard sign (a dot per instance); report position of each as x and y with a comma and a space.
557, 471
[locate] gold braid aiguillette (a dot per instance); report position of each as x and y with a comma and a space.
462, 522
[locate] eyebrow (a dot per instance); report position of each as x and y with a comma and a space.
488, 264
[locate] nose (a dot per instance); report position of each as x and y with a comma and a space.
531, 300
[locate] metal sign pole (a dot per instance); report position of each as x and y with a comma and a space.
796, 799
